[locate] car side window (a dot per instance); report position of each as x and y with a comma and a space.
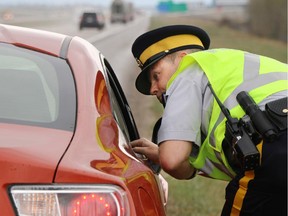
121, 110
32, 88
123, 115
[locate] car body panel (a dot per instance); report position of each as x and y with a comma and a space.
47, 43
119, 162
96, 152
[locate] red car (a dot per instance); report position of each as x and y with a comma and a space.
65, 128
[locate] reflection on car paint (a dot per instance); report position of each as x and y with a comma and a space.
108, 134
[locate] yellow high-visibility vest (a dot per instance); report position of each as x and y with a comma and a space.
230, 72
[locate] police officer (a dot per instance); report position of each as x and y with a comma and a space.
177, 67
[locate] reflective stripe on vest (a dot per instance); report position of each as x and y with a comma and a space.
258, 75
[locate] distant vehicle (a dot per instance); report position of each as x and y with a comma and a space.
122, 11
7, 15
65, 132
92, 20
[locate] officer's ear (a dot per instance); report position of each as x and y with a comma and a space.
182, 53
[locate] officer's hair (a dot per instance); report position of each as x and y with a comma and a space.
173, 55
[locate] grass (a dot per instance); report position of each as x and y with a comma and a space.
202, 196
198, 197
224, 37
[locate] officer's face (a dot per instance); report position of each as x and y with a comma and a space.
160, 73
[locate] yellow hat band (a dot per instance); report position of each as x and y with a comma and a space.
169, 43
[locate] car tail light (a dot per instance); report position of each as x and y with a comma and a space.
69, 200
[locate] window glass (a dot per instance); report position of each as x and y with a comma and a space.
118, 115
36, 89
120, 107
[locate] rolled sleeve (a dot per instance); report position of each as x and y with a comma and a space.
181, 119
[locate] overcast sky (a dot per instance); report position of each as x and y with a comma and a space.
96, 2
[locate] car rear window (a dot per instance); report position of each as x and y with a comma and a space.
89, 15
36, 89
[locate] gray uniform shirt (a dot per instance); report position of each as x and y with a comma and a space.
188, 107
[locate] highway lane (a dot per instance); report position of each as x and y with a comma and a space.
116, 48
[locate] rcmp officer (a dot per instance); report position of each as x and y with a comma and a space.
214, 123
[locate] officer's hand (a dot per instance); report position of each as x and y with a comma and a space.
147, 148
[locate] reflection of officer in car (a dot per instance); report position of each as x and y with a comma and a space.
205, 129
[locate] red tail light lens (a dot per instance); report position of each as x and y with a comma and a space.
70, 200
92, 204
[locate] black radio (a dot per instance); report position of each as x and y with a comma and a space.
258, 117
240, 139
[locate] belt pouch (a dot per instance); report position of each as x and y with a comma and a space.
277, 113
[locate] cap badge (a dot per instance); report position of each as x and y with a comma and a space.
139, 63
